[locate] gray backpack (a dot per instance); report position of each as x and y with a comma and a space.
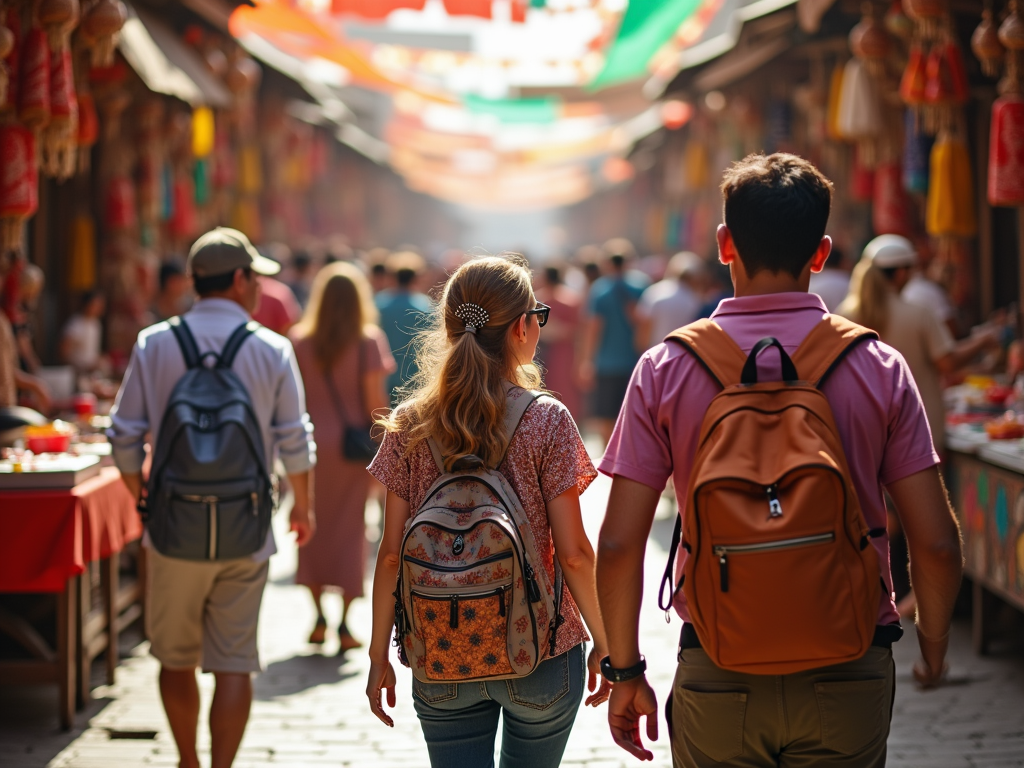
210, 496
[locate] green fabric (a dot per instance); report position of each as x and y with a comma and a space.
542, 110
646, 26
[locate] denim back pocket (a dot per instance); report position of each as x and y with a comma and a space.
434, 693
548, 683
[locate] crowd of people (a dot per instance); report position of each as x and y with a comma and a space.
410, 364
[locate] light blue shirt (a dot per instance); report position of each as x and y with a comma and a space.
265, 364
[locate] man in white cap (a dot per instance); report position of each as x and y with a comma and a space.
917, 332
203, 613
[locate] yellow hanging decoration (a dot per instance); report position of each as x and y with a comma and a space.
250, 170
203, 132
950, 208
695, 164
835, 91
82, 262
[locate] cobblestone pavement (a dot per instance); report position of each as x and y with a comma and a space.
310, 710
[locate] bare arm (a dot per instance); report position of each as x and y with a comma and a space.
936, 562
576, 556
620, 581
966, 350
375, 393
36, 386
302, 520
385, 578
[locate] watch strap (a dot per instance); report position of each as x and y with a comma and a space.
614, 675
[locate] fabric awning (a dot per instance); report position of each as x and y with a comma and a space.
166, 65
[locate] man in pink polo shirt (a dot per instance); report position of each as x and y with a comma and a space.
775, 211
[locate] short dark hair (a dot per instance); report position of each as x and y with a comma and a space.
217, 283
776, 208
170, 269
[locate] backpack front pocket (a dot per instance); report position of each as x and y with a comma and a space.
463, 635
213, 521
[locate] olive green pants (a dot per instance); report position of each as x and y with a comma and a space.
832, 716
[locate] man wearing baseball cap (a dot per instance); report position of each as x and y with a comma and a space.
203, 613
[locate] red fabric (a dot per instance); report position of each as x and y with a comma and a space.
278, 309
47, 537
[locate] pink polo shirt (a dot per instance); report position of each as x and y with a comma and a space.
877, 408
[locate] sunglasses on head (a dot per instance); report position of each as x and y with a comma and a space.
541, 311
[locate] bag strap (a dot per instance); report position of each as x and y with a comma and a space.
514, 412
714, 349
186, 342
825, 347
235, 342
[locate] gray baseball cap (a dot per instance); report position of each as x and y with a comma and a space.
224, 250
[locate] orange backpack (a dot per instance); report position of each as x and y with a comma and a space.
781, 575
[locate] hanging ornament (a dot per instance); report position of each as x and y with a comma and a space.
1006, 152
88, 128
891, 211
926, 15
82, 266
182, 224
912, 83
1011, 36
60, 146
120, 213
58, 18
862, 178
203, 132
835, 92
986, 46
917, 148
12, 65
950, 207
19, 183
897, 23
201, 180
34, 81
7, 43
112, 106
860, 114
870, 42
100, 28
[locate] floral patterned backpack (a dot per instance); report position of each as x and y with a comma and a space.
473, 600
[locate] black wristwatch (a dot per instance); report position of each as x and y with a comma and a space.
613, 675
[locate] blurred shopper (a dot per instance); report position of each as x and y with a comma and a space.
673, 302
174, 291
203, 613
827, 714
81, 341
344, 359
12, 377
833, 282
402, 310
377, 269
557, 348
30, 284
475, 358
302, 274
929, 290
916, 332
278, 309
609, 339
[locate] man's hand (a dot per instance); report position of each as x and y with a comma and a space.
629, 702
303, 523
931, 668
133, 482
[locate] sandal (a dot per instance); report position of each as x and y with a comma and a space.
319, 633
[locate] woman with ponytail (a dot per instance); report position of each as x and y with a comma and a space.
477, 355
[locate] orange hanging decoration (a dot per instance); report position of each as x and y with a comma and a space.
986, 46
88, 129
100, 28
870, 42
58, 18
891, 209
19, 183
912, 84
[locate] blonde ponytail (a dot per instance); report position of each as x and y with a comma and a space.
867, 302
458, 395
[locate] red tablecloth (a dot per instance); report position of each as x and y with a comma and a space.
46, 537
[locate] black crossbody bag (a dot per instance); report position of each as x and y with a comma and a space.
357, 444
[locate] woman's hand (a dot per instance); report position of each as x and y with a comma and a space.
593, 675
382, 677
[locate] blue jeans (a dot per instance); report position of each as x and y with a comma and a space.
460, 721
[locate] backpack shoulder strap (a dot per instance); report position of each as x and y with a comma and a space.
186, 342
714, 349
235, 342
826, 346
514, 412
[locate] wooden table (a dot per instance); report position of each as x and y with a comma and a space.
52, 544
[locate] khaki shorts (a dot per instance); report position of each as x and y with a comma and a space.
833, 716
204, 613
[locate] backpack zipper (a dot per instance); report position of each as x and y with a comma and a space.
723, 551
453, 601
455, 569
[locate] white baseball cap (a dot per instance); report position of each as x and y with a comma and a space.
891, 252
